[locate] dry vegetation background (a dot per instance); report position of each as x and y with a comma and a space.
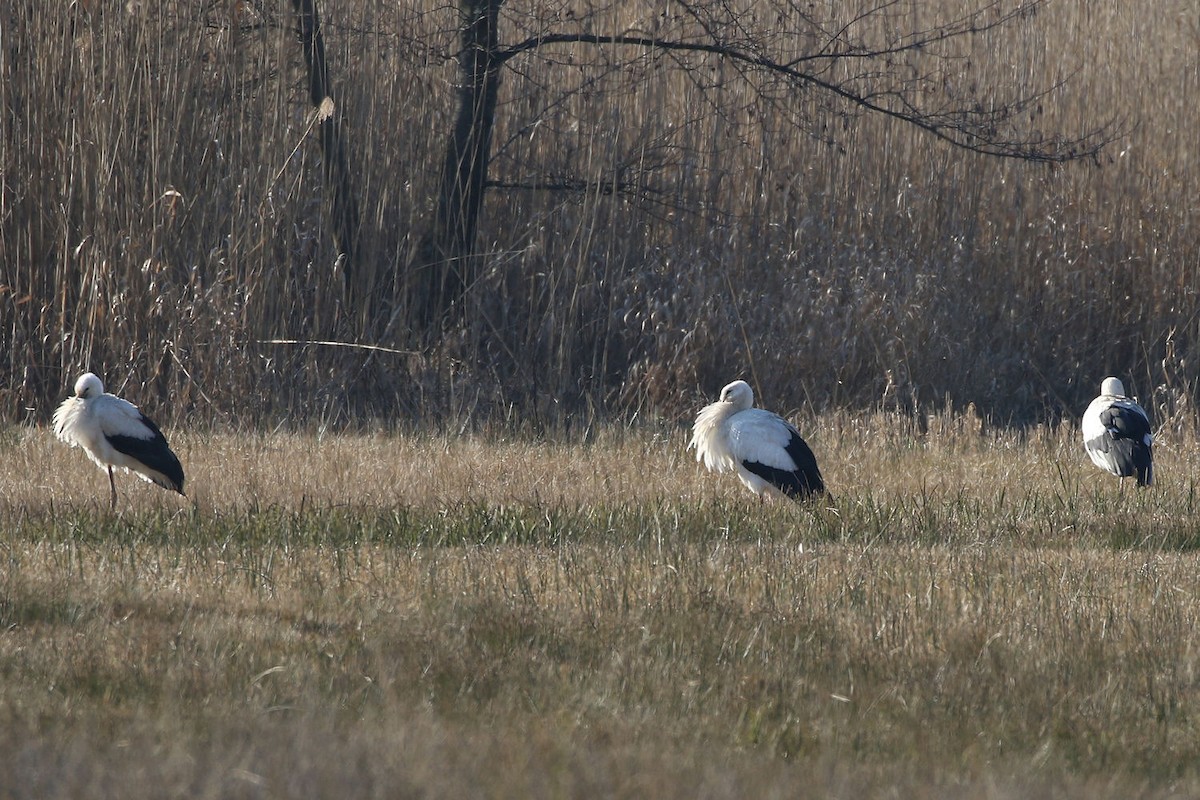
162, 215
443, 602
983, 615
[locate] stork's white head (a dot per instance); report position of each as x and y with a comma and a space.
739, 394
1113, 387
88, 386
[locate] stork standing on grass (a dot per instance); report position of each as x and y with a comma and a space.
1116, 434
764, 449
115, 434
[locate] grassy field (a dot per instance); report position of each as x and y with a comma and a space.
980, 615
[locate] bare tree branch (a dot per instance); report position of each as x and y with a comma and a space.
973, 124
876, 60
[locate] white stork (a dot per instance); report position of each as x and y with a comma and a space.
764, 449
115, 434
1116, 434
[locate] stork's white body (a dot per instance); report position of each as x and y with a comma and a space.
1116, 434
114, 433
766, 451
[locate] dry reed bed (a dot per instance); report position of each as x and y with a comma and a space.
895, 269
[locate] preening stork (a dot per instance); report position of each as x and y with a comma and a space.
115, 434
764, 449
1116, 434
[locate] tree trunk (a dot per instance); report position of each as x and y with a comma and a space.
444, 269
344, 206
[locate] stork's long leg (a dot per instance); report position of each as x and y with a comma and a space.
112, 485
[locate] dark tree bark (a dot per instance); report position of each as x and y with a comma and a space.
344, 205
445, 267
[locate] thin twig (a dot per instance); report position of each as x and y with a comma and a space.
353, 345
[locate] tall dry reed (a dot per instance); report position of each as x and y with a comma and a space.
162, 221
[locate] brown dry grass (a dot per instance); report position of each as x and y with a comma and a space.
983, 616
